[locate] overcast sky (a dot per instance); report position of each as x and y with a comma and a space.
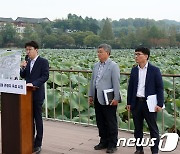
98, 9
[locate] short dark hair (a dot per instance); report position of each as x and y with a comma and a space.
106, 47
144, 50
32, 44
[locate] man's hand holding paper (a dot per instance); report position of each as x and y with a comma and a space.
152, 104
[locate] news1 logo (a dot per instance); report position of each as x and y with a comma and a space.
168, 142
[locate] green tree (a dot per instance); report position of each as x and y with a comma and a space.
8, 35
50, 41
34, 36
28, 30
91, 25
31, 34
66, 41
132, 40
76, 22
142, 36
178, 37
79, 38
1, 41
92, 40
154, 32
40, 31
18, 41
62, 24
172, 36
107, 33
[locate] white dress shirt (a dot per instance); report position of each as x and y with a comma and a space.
141, 81
32, 63
100, 70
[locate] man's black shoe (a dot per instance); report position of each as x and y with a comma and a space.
111, 150
139, 152
37, 150
100, 146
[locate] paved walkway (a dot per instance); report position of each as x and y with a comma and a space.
69, 138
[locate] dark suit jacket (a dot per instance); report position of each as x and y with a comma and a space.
38, 76
153, 85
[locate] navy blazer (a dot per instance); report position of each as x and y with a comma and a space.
153, 85
38, 76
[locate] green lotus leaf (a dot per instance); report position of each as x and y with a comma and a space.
60, 117
73, 79
83, 89
121, 107
91, 112
168, 119
122, 124
123, 96
168, 84
169, 107
83, 102
59, 79
53, 98
81, 79
178, 123
177, 102
82, 119
74, 101
63, 110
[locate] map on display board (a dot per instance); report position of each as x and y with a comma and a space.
10, 64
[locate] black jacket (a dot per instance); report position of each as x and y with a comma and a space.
38, 76
153, 85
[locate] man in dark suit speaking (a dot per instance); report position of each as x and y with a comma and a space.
105, 75
145, 82
36, 73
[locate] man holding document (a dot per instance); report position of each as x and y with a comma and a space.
105, 81
145, 97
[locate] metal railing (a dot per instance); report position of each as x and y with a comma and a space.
86, 74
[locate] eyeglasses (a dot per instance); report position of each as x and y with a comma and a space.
138, 54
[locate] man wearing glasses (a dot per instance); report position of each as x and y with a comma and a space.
145, 81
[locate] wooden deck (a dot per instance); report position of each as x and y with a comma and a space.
69, 138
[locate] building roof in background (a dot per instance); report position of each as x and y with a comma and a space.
32, 20
6, 19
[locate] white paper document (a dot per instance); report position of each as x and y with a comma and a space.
152, 102
108, 95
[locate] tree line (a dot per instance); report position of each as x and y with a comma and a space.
78, 32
